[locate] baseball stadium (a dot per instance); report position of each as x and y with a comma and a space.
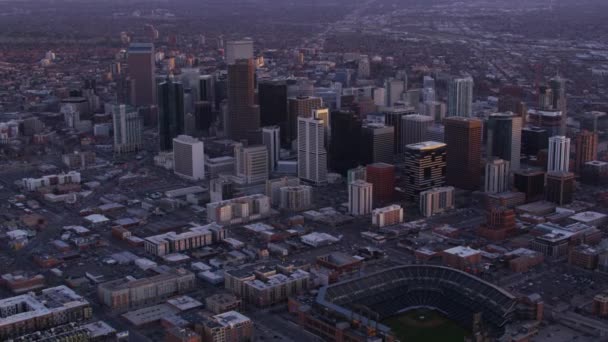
446, 300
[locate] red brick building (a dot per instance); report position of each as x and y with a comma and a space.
500, 224
462, 258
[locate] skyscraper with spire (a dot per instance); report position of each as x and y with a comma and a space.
558, 89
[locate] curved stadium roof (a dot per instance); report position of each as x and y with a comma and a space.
388, 292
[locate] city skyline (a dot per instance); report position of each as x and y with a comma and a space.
300, 171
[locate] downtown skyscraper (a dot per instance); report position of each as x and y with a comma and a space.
460, 97
463, 139
243, 121
559, 154
128, 129
170, 112
312, 156
504, 138
140, 57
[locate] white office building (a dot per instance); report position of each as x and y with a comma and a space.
360, 197
460, 97
436, 200
387, 216
559, 154
251, 163
128, 129
394, 91
188, 157
312, 156
497, 176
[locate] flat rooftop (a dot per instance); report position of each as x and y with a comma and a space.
426, 145
588, 216
51, 301
231, 318
462, 251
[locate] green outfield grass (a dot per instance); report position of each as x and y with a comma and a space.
423, 325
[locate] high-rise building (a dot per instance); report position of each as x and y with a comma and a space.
436, 132
296, 198
586, 149
188, 157
558, 88
312, 156
142, 72
428, 95
533, 139
414, 128
595, 172
436, 200
301, 106
394, 90
382, 177
273, 188
238, 49
206, 88
363, 67
392, 117
545, 98
360, 196
345, 150
379, 96
504, 138
271, 138
559, 154
560, 187
203, 116
460, 97
387, 216
531, 182
428, 82
170, 113
412, 97
125, 90
251, 163
323, 114
425, 168
434, 109
497, 176
357, 173
243, 121
128, 129
549, 120
221, 189
272, 98
190, 78
377, 143
463, 154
